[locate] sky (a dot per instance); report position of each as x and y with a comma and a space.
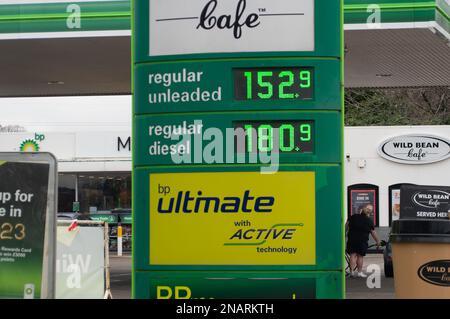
68, 114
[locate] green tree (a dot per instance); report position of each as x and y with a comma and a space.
411, 106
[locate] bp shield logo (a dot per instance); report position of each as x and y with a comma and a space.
32, 145
29, 145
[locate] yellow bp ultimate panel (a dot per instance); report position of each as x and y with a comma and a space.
232, 218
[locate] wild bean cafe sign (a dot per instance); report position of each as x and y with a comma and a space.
230, 26
415, 149
419, 201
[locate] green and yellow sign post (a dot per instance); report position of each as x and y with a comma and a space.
237, 149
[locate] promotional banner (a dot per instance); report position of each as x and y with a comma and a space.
80, 263
429, 202
232, 218
395, 204
107, 218
24, 190
361, 198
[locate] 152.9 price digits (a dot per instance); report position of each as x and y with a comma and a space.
274, 84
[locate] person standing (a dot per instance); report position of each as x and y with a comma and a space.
358, 228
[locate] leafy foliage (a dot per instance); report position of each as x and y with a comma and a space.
412, 106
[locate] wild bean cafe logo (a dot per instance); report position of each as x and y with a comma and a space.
32, 145
226, 26
209, 21
436, 273
431, 199
211, 17
243, 206
415, 149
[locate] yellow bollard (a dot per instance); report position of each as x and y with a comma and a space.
119, 240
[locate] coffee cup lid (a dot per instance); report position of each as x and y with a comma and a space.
421, 230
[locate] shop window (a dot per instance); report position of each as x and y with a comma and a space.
394, 201
104, 191
360, 196
66, 192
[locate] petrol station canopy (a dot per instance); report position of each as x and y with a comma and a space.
41, 56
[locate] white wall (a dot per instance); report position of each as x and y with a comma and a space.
81, 131
78, 151
361, 143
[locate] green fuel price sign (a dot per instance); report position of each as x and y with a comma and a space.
238, 85
224, 92
274, 84
293, 137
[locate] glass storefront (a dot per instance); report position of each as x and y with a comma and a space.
106, 196
66, 191
96, 192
